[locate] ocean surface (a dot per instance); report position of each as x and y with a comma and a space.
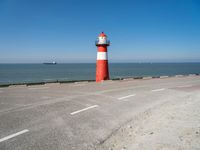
20, 73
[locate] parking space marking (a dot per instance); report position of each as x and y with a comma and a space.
121, 98
78, 111
13, 135
158, 90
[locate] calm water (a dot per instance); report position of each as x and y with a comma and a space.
18, 73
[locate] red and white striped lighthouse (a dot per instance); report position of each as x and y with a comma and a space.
102, 71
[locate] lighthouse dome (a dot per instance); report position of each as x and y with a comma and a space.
102, 34
102, 40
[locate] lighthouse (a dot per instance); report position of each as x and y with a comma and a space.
102, 71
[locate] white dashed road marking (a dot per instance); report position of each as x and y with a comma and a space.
158, 90
126, 97
78, 84
13, 135
39, 88
184, 86
78, 111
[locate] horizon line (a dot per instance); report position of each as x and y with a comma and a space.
109, 62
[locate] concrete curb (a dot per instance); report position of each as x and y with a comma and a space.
147, 78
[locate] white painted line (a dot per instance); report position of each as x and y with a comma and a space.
13, 135
78, 111
184, 86
119, 89
178, 75
76, 84
39, 88
164, 77
157, 90
81, 82
126, 97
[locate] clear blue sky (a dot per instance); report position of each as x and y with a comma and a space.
34, 31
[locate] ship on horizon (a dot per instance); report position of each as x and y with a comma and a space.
50, 63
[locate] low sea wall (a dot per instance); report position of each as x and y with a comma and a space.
113, 79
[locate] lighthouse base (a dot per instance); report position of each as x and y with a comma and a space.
102, 71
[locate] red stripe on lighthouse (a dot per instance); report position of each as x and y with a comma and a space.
102, 48
102, 72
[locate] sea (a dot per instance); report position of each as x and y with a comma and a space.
30, 73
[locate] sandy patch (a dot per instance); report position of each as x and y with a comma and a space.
173, 125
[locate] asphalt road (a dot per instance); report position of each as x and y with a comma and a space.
79, 115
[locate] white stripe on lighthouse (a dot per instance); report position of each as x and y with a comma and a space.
102, 56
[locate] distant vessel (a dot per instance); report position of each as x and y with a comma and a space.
50, 63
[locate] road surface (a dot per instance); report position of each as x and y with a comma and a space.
80, 115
